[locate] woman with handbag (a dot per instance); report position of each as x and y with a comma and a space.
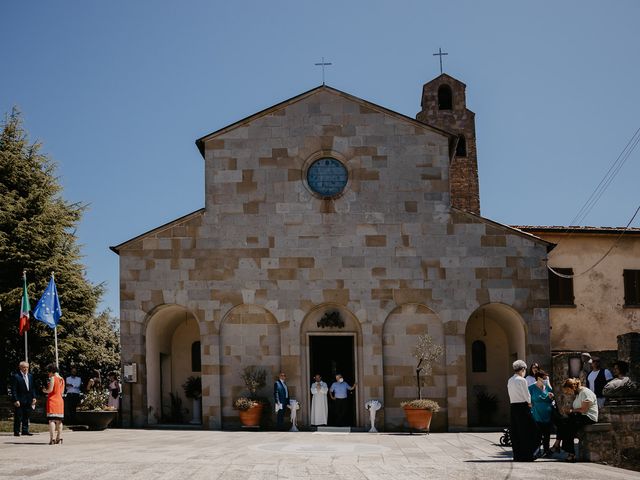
55, 404
542, 408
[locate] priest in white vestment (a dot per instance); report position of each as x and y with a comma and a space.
319, 405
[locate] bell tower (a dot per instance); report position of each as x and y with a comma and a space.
444, 106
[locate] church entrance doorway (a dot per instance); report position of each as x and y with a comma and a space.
330, 355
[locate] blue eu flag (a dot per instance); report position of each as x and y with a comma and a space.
48, 310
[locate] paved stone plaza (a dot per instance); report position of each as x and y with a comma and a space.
210, 455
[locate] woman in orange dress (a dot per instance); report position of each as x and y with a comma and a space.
55, 404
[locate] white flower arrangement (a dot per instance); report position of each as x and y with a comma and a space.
293, 405
374, 405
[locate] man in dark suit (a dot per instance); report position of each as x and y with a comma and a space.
281, 399
23, 395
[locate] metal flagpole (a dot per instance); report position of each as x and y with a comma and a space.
55, 336
26, 332
55, 331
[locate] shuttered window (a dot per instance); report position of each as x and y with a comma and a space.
560, 288
631, 288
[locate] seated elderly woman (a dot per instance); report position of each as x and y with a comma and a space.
583, 411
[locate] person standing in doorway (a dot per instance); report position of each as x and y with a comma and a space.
597, 379
319, 405
23, 395
73, 384
281, 399
339, 392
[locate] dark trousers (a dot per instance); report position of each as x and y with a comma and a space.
340, 411
568, 428
280, 417
545, 432
21, 415
71, 402
525, 438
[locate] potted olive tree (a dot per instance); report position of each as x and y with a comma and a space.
250, 408
193, 390
420, 410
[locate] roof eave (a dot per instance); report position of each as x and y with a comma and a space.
116, 248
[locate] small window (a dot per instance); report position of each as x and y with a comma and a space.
196, 362
445, 98
560, 288
478, 356
631, 288
461, 149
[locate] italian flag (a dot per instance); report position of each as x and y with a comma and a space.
24, 307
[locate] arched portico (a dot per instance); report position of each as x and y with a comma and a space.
249, 336
401, 331
172, 339
495, 336
335, 359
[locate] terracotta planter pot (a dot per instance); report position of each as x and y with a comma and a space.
418, 418
251, 417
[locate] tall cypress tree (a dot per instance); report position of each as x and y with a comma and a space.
37, 234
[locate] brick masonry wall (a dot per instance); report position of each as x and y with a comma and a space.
464, 184
266, 241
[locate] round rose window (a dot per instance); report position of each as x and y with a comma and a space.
327, 177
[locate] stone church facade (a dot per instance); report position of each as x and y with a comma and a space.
328, 203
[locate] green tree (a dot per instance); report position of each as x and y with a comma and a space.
37, 234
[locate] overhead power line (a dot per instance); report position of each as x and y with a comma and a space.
607, 179
562, 275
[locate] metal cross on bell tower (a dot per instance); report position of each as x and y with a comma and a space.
440, 54
323, 64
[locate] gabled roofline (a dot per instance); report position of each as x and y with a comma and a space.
188, 216
279, 106
448, 76
572, 230
550, 246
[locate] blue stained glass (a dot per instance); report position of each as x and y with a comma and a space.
327, 177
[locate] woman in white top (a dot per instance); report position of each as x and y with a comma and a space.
525, 438
583, 411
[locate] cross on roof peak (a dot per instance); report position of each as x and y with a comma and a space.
440, 54
322, 64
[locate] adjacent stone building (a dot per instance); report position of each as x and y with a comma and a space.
327, 206
597, 297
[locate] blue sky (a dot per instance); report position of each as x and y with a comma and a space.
118, 92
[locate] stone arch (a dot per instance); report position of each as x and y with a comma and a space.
503, 332
401, 330
170, 330
308, 327
249, 335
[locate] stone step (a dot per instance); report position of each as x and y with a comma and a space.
334, 429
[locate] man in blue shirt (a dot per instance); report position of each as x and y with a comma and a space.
339, 392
